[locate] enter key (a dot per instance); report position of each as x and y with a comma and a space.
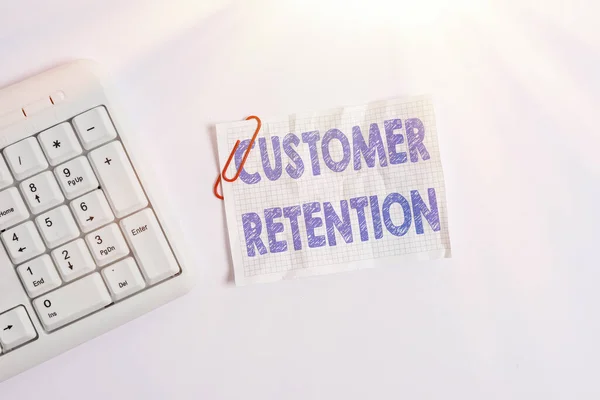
150, 247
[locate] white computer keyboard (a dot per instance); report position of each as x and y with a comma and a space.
84, 247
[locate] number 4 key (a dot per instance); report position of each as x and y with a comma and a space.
23, 242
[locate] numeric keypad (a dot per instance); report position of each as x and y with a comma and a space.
67, 200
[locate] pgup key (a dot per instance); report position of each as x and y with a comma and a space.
76, 177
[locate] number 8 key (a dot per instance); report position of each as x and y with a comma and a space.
41, 192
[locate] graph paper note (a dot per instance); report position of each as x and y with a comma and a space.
335, 190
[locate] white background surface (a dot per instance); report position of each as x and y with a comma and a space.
512, 315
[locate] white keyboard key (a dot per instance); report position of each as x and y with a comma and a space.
16, 328
107, 244
6, 178
71, 302
76, 177
25, 158
39, 276
150, 247
94, 127
92, 211
73, 260
57, 226
123, 278
41, 192
118, 179
12, 208
23, 242
59, 143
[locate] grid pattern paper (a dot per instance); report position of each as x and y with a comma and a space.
329, 186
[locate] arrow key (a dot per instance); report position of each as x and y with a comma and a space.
16, 328
41, 192
23, 242
92, 211
73, 260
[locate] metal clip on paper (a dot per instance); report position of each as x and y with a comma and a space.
235, 147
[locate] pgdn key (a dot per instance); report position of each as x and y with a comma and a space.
107, 244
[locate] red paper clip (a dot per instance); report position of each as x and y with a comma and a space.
239, 171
